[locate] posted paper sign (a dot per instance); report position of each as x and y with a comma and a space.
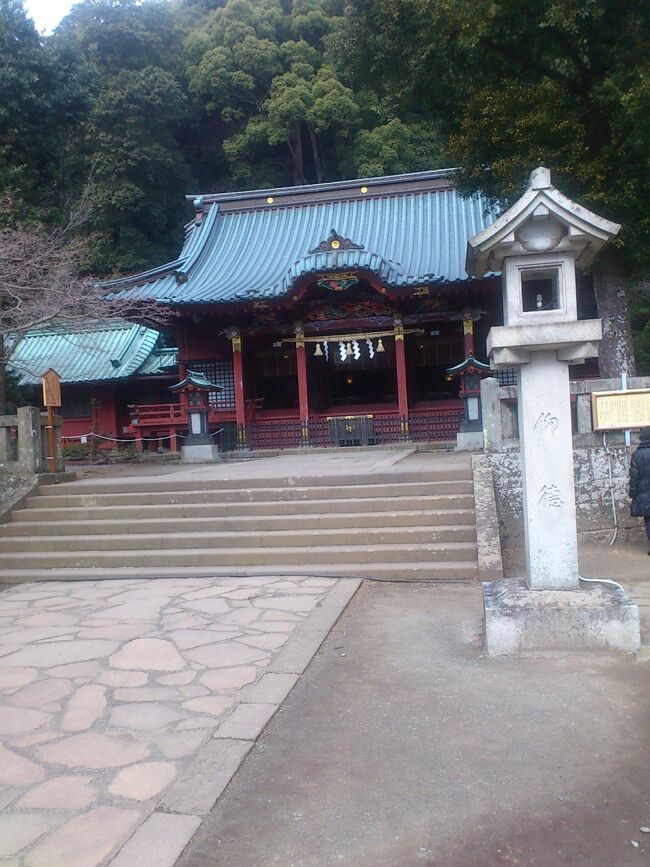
621, 410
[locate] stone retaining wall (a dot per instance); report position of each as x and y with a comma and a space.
593, 493
13, 487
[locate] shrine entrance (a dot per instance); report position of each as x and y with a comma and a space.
365, 377
351, 347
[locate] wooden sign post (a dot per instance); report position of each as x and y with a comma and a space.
51, 399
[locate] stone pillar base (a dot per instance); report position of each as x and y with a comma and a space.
597, 616
200, 454
469, 441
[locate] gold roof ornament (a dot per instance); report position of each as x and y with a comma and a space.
336, 242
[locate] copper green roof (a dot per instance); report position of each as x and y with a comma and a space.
162, 361
408, 230
101, 352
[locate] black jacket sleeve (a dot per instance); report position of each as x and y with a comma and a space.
635, 476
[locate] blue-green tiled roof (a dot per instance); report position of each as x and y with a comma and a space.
406, 229
162, 361
101, 352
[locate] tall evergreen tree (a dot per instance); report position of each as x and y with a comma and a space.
131, 141
41, 104
272, 80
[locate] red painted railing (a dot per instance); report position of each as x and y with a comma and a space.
168, 414
352, 431
349, 428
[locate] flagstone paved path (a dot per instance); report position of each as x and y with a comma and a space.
126, 706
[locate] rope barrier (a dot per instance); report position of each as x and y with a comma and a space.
133, 439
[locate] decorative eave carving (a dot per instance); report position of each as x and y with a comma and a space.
336, 242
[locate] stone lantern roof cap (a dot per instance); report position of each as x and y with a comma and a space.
543, 220
468, 363
196, 380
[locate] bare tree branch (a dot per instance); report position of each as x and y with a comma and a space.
41, 283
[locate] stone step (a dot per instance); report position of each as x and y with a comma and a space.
412, 571
271, 539
270, 557
258, 495
232, 523
216, 509
455, 472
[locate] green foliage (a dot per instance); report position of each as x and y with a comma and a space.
270, 77
138, 171
131, 143
395, 147
73, 451
139, 103
640, 309
565, 84
127, 454
16, 394
41, 102
561, 83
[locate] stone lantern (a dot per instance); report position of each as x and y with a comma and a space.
198, 446
537, 245
470, 372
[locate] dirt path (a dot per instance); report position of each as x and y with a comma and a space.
402, 744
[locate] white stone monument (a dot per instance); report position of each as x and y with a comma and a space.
537, 245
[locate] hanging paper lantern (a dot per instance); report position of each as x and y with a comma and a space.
380, 345
318, 352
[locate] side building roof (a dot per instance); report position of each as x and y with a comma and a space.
409, 230
93, 353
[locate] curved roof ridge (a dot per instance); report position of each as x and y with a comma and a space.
312, 264
327, 186
195, 241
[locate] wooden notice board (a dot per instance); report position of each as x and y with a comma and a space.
621, 410
51, 388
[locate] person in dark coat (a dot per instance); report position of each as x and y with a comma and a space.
640, 480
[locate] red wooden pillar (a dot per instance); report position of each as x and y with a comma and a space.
303, 396
238, 373
468, 336
182, 356
402, 388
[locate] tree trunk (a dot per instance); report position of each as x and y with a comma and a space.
318, 162
295, 148
616, 353
3, 378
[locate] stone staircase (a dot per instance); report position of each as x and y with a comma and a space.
397, 525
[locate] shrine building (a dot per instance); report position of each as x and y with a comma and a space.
105, 369
326, 313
